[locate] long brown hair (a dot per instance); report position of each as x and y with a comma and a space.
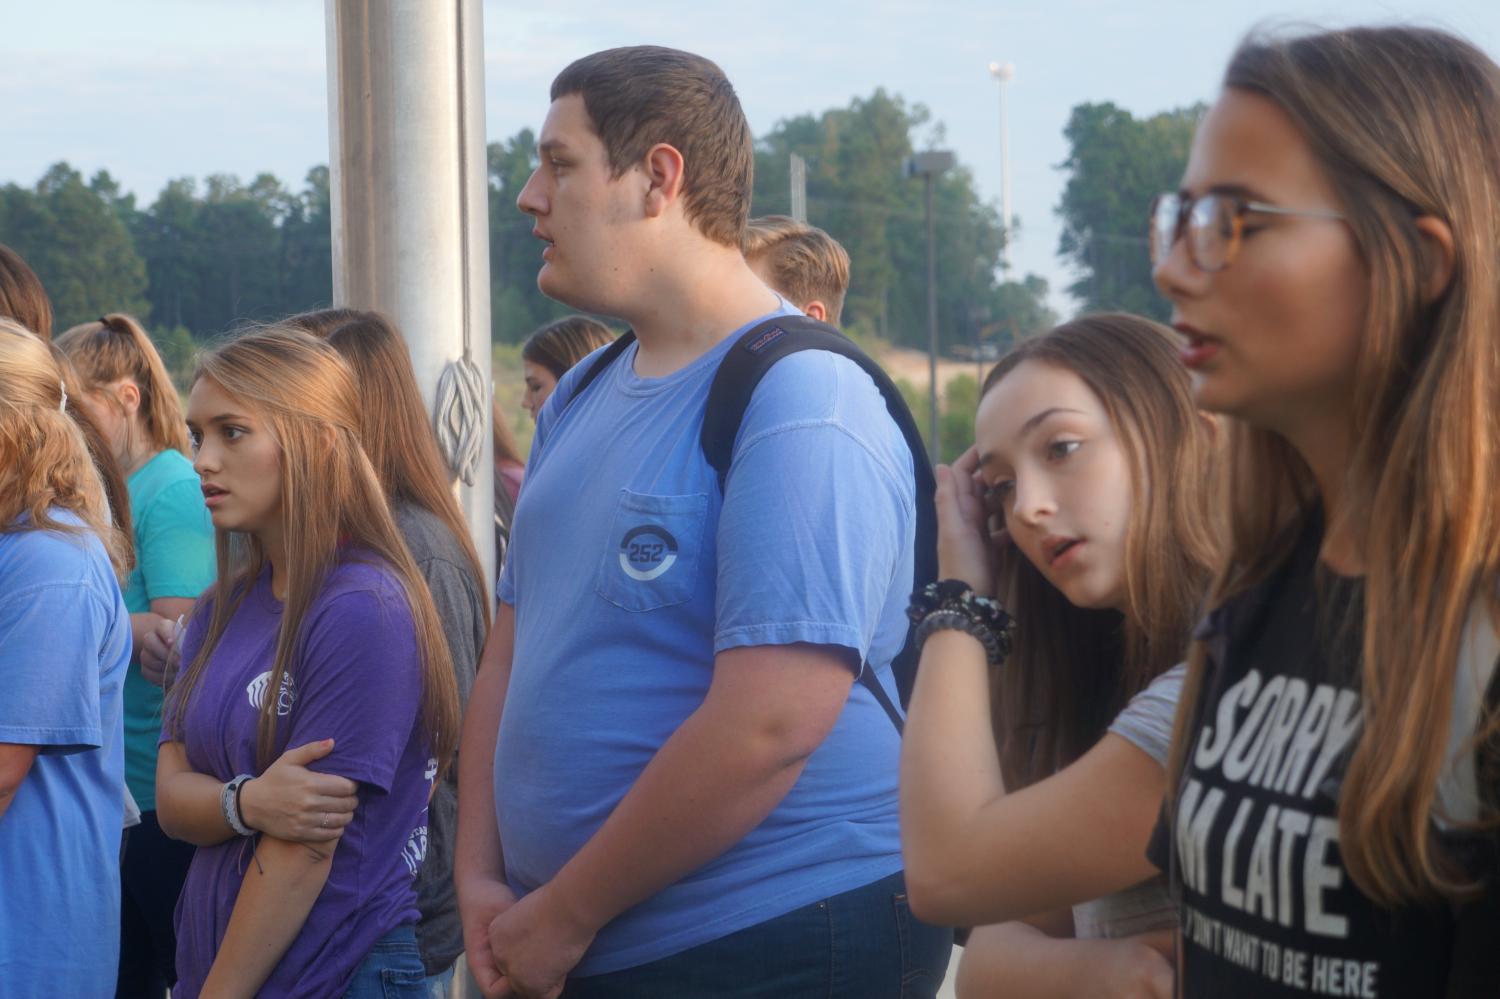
45, 460
1074, 669
393, 427
115, 347
1405, 123
305, 394
23, 299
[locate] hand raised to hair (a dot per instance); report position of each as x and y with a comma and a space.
965, 550
294, 803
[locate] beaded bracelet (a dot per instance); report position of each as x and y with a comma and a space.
953, 604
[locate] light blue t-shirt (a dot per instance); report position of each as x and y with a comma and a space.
64, 646
628, 572
174, 557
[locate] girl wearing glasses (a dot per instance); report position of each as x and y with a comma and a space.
1029, 786
318, 646
1331, 263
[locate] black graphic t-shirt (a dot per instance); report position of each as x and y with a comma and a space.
1268, 908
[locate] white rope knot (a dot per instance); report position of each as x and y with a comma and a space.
460, 413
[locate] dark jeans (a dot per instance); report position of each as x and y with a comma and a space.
392, 969
151, 874
863, 944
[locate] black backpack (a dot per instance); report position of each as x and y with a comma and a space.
739, 373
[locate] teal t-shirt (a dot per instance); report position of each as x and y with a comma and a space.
174, 557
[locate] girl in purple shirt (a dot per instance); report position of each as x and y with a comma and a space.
318, 646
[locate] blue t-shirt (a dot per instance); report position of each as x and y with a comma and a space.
64, 646
174, 557
628, 572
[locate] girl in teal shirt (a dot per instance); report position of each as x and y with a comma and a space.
129, 394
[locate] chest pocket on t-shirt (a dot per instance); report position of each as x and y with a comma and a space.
651, 560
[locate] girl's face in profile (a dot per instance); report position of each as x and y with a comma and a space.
1272, 337
1055, 471
539, 385
236, 458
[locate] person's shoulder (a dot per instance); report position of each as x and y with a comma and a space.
424, 532
168, 471
428, 538
567, 387
1168, 683
361, 573
820, 388
39, 556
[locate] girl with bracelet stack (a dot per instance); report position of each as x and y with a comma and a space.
317, 646
1032, 769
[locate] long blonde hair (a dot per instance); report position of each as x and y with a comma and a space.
44, 460
394, 429
1074, 669
115, 347
1405, 123
330, 497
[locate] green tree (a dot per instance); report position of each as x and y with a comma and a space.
240, 279
517, 306
856, 192
168, 237
72, 235
306, 259
1116, 164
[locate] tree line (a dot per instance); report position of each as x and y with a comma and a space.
205, 256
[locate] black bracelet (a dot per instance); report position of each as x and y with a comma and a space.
953, 604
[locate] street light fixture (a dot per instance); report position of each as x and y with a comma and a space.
1003, 74
929, 165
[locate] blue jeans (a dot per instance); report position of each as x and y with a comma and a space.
392, 969
863, 944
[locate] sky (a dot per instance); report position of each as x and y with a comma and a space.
153, 90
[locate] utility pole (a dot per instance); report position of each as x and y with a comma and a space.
1003, 74
928, 166
799, 187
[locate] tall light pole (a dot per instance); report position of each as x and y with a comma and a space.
1003, 74
927, 166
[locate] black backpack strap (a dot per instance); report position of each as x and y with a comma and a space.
728, 397
605, 359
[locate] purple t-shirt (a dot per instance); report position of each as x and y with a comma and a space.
358, 682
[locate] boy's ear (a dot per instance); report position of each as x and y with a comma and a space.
816, 310
663, 168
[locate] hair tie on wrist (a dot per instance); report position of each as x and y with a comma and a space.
953, 604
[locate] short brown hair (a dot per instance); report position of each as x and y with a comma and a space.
642, 95
806, 263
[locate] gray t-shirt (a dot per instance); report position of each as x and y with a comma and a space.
1146, 722
459, 599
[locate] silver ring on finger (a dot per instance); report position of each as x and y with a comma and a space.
325, 820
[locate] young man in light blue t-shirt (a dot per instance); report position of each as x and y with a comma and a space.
670, 782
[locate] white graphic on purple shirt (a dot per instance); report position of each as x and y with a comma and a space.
415, 850
287, 696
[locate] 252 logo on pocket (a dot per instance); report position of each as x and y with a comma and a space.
647, 552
